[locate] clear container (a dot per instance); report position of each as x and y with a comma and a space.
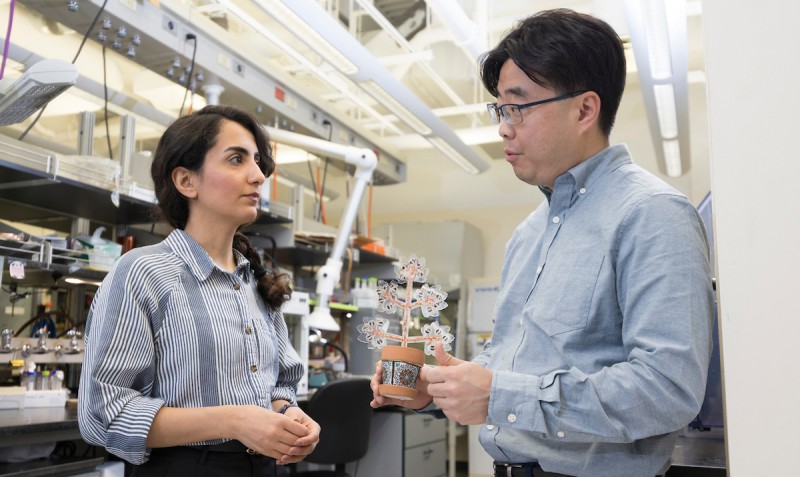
28, 380
45, 380
57, 379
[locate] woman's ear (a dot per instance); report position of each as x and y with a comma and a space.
185, 181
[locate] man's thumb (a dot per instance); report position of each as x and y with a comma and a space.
443, 357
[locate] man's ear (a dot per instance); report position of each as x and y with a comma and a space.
185, 181
589, 112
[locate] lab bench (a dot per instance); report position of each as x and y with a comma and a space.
37, 426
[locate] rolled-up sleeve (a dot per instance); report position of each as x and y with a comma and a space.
115, 409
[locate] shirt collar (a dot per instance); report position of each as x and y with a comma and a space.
588, 172
198, 260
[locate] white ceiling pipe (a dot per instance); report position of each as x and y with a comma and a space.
468, 34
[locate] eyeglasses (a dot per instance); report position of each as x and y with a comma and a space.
513, 112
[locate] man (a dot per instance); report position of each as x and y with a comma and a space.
601, 339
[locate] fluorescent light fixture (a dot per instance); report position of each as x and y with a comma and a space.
657, 34
395, 107
27, 94
328, 77
80, 281
659, 41
672, 157
453, 155
665, 105
307, 35
371, 71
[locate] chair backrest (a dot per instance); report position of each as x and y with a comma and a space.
342, 410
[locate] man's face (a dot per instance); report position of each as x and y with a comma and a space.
544, 145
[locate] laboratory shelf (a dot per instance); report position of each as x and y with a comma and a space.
303, 255
46, 189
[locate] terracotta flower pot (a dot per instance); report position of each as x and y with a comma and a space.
401, 367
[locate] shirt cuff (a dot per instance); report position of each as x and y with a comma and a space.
515, 399
285, 393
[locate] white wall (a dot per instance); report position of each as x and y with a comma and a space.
752, 71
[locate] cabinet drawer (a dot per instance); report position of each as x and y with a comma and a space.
422, 428
427, 460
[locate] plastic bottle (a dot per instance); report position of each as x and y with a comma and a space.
57, 379
28, 380
45, 380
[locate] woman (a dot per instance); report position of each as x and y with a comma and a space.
188, 366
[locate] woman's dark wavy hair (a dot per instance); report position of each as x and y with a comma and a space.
565, 51
185, 143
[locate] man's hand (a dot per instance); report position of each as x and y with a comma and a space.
378, 400
459, 388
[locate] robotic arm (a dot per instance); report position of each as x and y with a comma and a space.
365, 161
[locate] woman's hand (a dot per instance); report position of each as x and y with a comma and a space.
304, 445
273, 434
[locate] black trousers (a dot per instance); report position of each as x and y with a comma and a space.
198, 462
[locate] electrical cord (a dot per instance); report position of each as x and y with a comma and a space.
320, 211
313, 183
8, 37
91, 27
105, 105
189, 36
80, 48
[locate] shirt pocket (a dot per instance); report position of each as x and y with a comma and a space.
563, 295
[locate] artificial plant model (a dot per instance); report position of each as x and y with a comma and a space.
401, 364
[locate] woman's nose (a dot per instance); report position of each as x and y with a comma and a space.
256, 175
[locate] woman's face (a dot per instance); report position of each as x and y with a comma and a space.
227, 187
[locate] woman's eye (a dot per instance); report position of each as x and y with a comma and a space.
237, 159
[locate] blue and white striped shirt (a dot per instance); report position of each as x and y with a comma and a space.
168, 327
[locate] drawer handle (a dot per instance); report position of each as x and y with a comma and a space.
426, 454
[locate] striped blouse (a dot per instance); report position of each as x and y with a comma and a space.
167, 327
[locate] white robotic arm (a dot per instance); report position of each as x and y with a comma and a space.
365, 161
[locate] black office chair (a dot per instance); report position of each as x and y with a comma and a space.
342, 410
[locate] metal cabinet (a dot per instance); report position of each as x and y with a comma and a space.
406, 445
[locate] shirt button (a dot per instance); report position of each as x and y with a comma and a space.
236, 286
561, 434
489, 426
253, 368
582, 191
512, 418
248, 330
556, 220
539, 269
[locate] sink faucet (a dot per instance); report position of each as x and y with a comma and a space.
74, 337
42, 346
5, 344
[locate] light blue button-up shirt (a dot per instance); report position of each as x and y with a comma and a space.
168, 327
602, 331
